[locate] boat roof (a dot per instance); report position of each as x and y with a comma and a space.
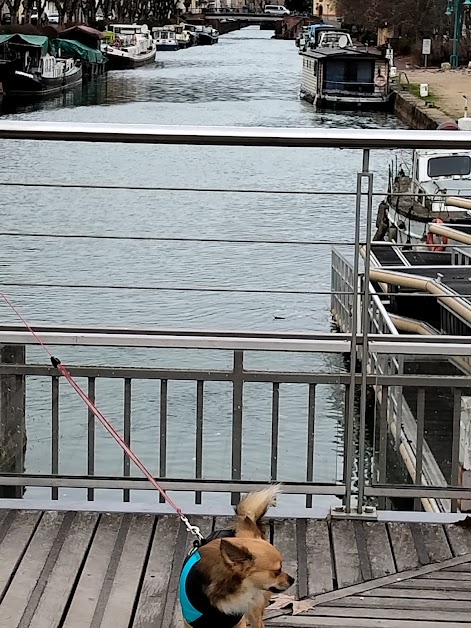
81, 29
448, 185
36, 41
341, 52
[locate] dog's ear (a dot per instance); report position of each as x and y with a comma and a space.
235, 556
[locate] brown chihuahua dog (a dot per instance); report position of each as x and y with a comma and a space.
228, 581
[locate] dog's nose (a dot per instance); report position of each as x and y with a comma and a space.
290, 580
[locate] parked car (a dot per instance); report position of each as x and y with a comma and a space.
53, 18
276, 9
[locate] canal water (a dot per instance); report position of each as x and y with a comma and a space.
248, 79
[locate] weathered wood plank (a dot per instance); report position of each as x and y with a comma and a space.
347, 560
151, 602
426, 594
451, 575
436, 542
38, 559
393, 602
460, 539
301, 549
419, 542
224, 523
466, 568
401, 579
14, 545
6, 519
379, 549
173, 613
398, 614
349, 622
434, 583
403, 547
61, 580
284, 539
365, 565
119, 607
85, 600
319, 558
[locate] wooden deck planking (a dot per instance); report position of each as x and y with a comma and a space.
119, 606
403, 546
15, 543
64, 571
346, 555
319, 558
85, 599
71, 570
284, 539
21, 598
379, 549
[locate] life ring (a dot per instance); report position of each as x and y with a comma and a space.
380, 80
436, 242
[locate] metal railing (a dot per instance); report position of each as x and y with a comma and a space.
374, 337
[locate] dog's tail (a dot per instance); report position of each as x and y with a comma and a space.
251, 510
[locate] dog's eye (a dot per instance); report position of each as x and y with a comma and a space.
277, 572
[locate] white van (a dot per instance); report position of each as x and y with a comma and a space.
275, 9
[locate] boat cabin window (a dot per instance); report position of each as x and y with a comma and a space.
449, 166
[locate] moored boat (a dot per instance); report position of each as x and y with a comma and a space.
129, 46
183, 35
335, 74
165, 38
207, 35
433, 187
28, 69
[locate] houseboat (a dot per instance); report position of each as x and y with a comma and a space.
336, 75
29, 68
207, 35
129, 46
85, 43
165, 38
183, 35
433, 187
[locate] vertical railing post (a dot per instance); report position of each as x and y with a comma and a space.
364, 329
12, 419
237, 404
350, 445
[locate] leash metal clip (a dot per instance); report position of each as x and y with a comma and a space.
192, 529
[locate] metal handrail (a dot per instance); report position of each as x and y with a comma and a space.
234, 136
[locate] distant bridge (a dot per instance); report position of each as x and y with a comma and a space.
244, 17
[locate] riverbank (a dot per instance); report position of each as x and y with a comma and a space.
447, 89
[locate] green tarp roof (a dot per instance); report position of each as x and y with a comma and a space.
75, 48
38, 41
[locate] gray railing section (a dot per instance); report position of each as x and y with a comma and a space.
386, 381
394, 420
363, 344
363, 139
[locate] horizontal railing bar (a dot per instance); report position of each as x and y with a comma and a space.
179, 342
438, 492
233, 136
216, 333
334, 343
169, 484
281, 377
120, 372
